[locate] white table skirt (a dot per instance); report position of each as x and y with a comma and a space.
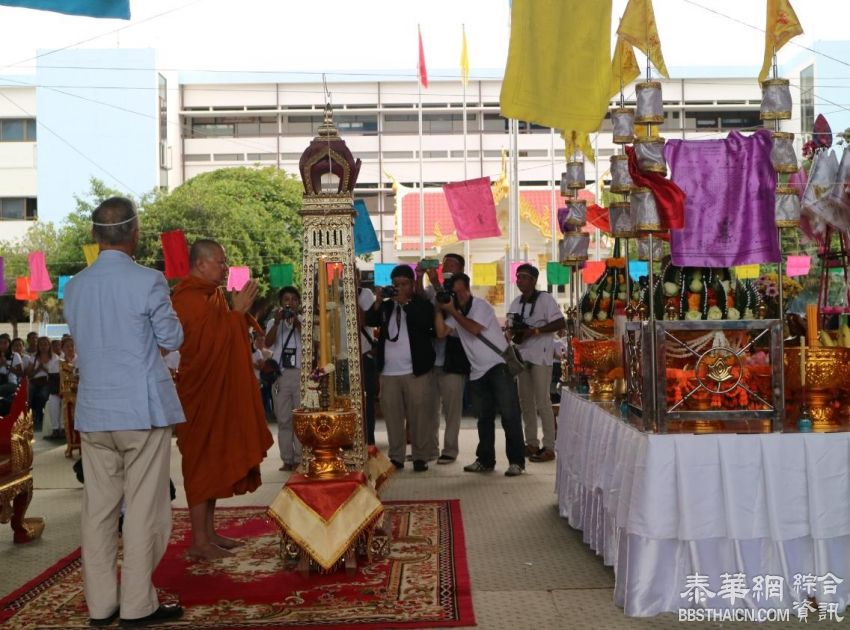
659, 508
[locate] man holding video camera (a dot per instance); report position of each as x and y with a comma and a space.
404, 358
533, 318
283, 338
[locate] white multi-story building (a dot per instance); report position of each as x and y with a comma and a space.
18, 160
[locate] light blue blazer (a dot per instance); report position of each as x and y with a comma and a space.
120, 315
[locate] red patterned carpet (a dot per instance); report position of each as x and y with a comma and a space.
422, 583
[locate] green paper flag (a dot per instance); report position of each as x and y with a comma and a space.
280, 275
556, 273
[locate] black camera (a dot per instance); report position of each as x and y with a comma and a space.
287, 313
389, 292
444, 294
516, 324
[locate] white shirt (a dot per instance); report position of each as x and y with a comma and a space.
537, 349
365, 300
397, 358
282, 333
482, 358
11, 364
52, 366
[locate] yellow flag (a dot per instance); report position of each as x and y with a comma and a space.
637, 27
559, 64
484, 274
624, 66
464, 60
782, 25
90, 251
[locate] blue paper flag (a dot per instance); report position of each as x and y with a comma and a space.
91, 8
63, 280
365, 239
638, 268
382, 274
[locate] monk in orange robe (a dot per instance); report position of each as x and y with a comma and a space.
225, 436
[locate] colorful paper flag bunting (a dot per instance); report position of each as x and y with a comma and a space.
280, 275
382, 274
38, 278
23, 291
176, 252
638, 268
60, 291
747, 272
472, 208
365, 239
484, 274
798, 266
556, 273
592, 271
90, 251
237, 278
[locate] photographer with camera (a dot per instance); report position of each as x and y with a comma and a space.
451, 367
283, 338
532, 319
492, 387
404, 358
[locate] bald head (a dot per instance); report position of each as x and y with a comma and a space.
207, 260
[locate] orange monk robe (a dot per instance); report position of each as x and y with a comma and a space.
225, 436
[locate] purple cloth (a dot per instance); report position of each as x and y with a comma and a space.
730, 189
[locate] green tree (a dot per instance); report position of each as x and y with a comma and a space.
252, 212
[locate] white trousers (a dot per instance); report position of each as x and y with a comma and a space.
286, 396
54, 410
133, 467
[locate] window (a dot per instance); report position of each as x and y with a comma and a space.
17, 130
227, 157
349, 124
197, 157
13, 209
807, 99
233, 127
261, 157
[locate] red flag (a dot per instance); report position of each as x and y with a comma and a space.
176, 252
473, 209
423, 71
598, 217
23, 291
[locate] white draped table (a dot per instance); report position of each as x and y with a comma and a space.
661, 508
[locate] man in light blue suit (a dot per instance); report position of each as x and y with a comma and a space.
120, 316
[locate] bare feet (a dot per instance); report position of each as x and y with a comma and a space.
208, 551
226, 543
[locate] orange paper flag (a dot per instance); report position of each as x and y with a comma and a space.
23, 291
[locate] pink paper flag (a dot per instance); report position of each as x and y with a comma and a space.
39, 280
237, 278
473, 209
798, 266
514, 267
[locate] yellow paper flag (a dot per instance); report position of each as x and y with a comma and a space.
464, 60
747, 272
559, 64
638, 28
624, 66
782, 25
90, 251
484, 274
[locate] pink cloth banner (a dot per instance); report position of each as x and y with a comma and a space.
237, 278
730, 198
473, 209
39, 280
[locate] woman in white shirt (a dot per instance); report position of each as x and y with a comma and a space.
43, 371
